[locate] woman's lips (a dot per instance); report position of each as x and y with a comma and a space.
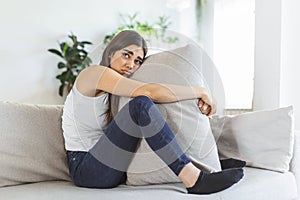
127, 72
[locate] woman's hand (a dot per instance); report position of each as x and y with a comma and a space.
205, 108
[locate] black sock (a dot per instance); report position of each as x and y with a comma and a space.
215, 182
232, 163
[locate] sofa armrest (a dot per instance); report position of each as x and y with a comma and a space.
295, 163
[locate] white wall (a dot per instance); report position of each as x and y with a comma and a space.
277, 55
290, 53
29, 28
267, 54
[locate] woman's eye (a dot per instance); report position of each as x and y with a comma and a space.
126, 55
138, 62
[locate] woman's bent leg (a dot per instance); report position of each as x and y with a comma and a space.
105, 165
161, 139
146, 116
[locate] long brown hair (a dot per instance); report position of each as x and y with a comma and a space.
120, 41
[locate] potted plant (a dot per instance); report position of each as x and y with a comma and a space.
75, 58
156, 30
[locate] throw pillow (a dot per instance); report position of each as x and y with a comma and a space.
264, 139
182, 66
31, 145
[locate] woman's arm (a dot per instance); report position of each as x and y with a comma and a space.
105, 79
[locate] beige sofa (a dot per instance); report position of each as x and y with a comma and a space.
33, 166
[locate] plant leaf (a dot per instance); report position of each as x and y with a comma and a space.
61, 65
66, 47
61, 45
65, 76
87, 61
73, 38
61, 90
86, 42
71, 53
56, 52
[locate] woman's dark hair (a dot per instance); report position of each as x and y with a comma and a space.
120, 41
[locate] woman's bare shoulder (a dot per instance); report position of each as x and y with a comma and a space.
87, 79
92, 69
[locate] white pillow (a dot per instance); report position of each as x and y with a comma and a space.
32, 144
191, 128
264, 139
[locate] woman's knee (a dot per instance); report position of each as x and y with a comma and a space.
142, 98
141, 101
140, 105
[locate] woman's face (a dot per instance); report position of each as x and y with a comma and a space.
127, 60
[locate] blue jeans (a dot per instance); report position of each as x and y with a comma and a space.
106, 163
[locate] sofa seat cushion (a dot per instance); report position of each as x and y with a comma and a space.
257, 184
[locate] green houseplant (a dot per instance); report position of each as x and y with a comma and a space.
157, 29
75, 58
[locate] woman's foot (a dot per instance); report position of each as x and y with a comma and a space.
216, 182
189, 175
232, 163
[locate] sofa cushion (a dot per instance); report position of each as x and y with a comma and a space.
295, 163
31, 145
264, 139
192, 129
257, 184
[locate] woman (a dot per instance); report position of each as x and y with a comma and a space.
100, 146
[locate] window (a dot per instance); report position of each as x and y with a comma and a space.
233, 50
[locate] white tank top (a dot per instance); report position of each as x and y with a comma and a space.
83, 120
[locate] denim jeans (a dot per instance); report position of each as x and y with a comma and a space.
106, 163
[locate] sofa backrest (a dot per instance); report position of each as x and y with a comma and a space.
31, 145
